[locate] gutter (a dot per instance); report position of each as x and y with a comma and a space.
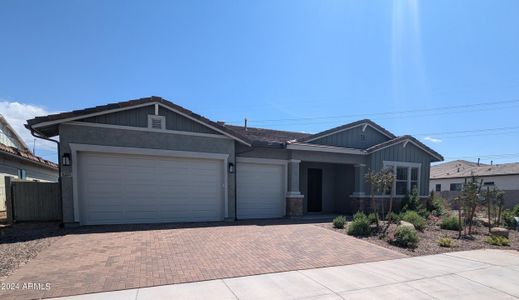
36, 134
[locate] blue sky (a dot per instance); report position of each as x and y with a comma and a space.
296, 65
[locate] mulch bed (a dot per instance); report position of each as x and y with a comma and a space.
428, 244
21, 242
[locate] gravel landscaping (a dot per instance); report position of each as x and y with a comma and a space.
428, 243
21, 242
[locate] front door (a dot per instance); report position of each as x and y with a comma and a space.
315, 190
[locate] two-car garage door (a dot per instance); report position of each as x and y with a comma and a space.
121, 188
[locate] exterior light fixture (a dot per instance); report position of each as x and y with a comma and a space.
231, 168
65, 159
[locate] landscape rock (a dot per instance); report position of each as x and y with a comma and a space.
406, 224
483, 221
500, 231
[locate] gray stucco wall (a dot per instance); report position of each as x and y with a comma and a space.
398, 152
351, 138
261, 152
138, 117
326, 157
138, 139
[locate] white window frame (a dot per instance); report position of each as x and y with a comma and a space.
155, 117
409, 166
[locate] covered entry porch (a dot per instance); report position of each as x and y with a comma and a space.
324, 183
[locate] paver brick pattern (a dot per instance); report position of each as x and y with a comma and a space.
96, 259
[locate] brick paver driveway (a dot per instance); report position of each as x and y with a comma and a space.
119, 257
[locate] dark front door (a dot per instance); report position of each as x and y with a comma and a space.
315, 190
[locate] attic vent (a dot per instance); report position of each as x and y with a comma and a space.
156, 122
362, 137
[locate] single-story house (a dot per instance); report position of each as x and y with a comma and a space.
448, 178
150, 160
17, 161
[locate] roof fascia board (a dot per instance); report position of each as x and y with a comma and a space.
16, 136
406, 141
54, 122
348, 128
321, 148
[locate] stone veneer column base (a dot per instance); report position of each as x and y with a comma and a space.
295, 205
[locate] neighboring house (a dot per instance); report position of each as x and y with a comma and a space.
17, 161
448, 178
149, 160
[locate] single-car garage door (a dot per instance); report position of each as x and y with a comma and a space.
121, 188
260, 190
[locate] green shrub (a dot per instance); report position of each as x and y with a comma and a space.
373, 218
414, 218
411, 201
395, 218
437, 206
339, 222
508, 217
497, 240
446, 242
406, 237
359, 226
450, 223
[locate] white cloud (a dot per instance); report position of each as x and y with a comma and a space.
432, 140
17, 115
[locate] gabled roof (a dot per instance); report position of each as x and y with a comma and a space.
405, 139
260, 136
365, 122
462, 169
47, 125
12, 133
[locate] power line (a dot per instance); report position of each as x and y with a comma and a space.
465, 107
468, 131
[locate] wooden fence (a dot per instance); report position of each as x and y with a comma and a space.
32, 201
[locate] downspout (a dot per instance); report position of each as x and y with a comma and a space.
36, 134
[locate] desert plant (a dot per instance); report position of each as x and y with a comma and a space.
470, 199
437, 207
508, 219
450, 223
411, 201
414, 218
497, 240
359, 226
406, 237
393, 217
339, 222
446, 242
373, 218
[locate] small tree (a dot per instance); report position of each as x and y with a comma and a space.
469, 200
500, 202
380, 182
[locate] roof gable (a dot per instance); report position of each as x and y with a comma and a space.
9, 137
339, 135
405, 140
48, 125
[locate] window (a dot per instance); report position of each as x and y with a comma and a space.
363, 137
22, 174
438, 187
407, 176
156, 122
488, 183
401, 180
455, 187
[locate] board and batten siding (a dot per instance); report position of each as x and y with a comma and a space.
138, 117
409, 153
352, 138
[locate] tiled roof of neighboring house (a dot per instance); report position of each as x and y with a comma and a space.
346, 126
401, 139
27, 156
13, 133
462, 168
262, 135
125, 104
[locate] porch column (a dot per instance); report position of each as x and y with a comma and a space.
294, 203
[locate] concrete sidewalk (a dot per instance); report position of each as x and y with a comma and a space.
479, 274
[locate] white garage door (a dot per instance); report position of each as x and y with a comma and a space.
120, 189
260, 188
